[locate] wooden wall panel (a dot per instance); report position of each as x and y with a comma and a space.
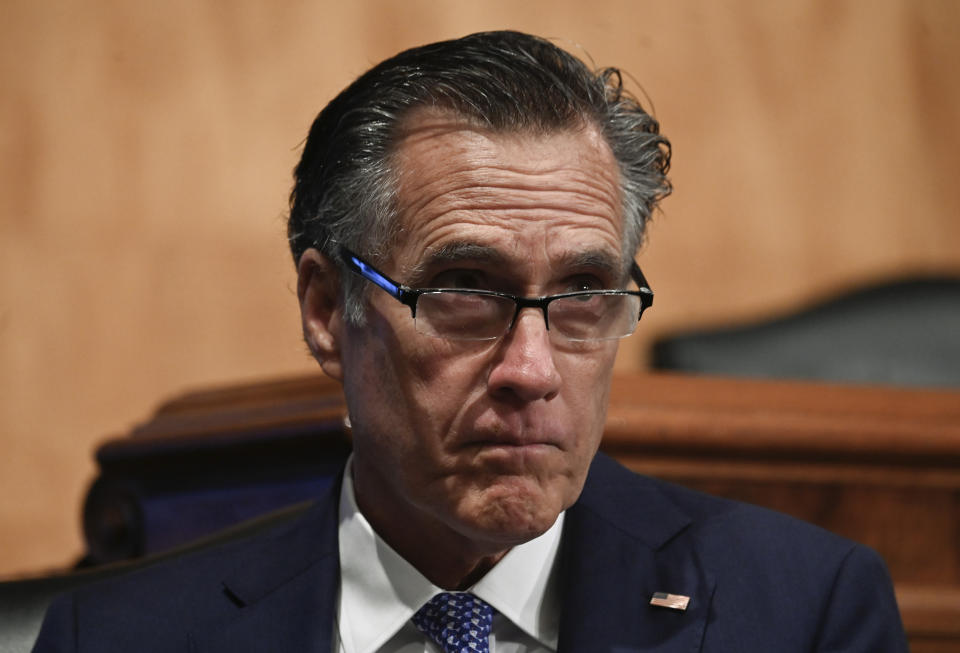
146, 149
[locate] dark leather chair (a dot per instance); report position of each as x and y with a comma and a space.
209, 459
903, 333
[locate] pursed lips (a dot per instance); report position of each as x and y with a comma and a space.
501, 435
499, 427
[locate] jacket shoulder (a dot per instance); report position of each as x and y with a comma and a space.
774, 576
632, 501
157, 607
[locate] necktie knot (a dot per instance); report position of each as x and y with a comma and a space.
459, 622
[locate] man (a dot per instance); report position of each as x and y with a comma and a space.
464, 222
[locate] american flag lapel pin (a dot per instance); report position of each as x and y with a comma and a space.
671, 601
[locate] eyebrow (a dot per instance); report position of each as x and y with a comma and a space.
454, 252
596, 259
457, 251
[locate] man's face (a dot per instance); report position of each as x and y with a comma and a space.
491, 440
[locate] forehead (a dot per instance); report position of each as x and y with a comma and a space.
556, 192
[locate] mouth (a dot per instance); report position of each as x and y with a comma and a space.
503, 435
515, 433
513, 459
509, 440
512, 447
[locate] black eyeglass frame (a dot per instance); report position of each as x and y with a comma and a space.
409, 296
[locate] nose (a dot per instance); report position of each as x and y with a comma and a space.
524, 368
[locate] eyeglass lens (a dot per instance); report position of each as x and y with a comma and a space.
474, 316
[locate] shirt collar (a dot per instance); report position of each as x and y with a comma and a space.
523, 586
380, 590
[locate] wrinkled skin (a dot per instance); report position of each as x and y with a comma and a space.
464, 449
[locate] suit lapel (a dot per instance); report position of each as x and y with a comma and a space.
284, 589
623, 541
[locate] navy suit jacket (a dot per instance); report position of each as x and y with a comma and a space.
758, 581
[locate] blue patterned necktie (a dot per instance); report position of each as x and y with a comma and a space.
458, 622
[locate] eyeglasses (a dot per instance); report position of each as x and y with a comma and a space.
467, 314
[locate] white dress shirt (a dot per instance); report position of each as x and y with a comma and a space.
380, 591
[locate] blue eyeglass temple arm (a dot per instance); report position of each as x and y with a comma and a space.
375, 276
409, 296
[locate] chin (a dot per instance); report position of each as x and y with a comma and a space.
512, 512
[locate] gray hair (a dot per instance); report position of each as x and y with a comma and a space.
345, 187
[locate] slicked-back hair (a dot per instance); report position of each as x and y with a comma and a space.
507, 82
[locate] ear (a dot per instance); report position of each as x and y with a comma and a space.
321, 311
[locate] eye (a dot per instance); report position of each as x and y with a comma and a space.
461, 278
583, 282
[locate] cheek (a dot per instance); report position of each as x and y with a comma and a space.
587, 378
444, 369
419, 388
375, 381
